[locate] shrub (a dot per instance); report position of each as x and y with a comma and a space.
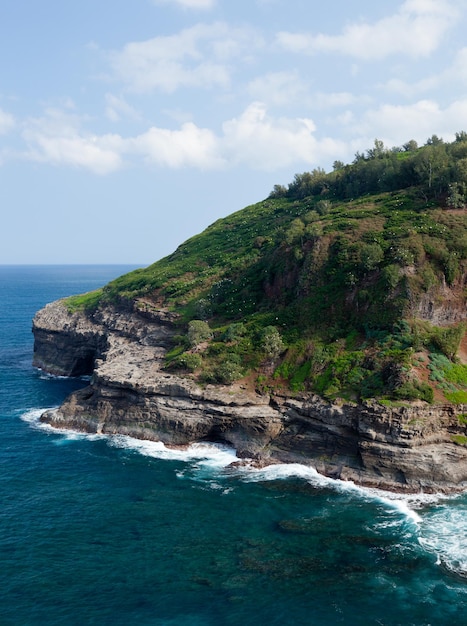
323, 207
198, 331
414, 390
391, 275
235, 331
229, 371
371, 255
448, 339
203, 308
186, 361
271, 342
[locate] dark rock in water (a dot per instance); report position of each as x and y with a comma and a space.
406, 449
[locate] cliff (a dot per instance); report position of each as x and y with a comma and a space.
401, 448
279, 327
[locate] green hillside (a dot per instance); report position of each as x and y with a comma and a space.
350, 284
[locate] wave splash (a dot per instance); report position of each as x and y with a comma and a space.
443, 532
436, 521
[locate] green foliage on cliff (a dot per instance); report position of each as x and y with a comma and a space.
87, 301
329, 284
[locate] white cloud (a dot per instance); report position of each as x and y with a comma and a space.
411, 90
396, 124
189, 4
254, 139
278, 88
265, 143
188, 147
195, 57
117, 107
453, 76
336, 99
289, 88
458, 72
57, 139
7, 122
416, 30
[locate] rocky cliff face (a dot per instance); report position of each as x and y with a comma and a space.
398, 448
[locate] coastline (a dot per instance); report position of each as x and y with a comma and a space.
406, 449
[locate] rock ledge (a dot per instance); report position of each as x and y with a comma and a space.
405, 449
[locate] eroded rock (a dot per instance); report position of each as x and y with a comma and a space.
396, 448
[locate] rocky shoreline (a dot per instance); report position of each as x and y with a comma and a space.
404, 449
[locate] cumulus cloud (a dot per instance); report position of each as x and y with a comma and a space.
57, 139
415, 30
189, 146
7, 122
265, 143
189, 4
254, 139
196, 57
396, 124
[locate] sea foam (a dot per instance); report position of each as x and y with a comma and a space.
443, 532
33, 418
437, 522
212, 455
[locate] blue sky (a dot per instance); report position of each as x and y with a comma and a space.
127, 127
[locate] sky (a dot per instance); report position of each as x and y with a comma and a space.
128, 127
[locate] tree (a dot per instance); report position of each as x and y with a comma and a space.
434, 140
198, 331
456, 197
377, 151
410, 146
460, 171
371, 255
323, 207
431, 166
295, 231
271, 342
279, 191
301, 186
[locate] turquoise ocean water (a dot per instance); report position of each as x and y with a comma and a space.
97, 530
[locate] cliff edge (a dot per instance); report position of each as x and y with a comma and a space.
407, 448
277, 328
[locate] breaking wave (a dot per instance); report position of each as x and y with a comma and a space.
438, 523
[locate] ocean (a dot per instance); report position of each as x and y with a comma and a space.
99, 530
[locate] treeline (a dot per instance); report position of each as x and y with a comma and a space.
438, 169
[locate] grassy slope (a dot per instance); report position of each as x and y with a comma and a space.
314, 298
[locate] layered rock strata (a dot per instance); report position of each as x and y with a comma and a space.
407, 449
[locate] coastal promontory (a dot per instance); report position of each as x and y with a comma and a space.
324, 326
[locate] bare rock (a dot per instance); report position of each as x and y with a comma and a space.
407, 448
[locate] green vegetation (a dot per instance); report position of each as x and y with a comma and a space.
327, 285
449, 377
86, 301
461, 440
